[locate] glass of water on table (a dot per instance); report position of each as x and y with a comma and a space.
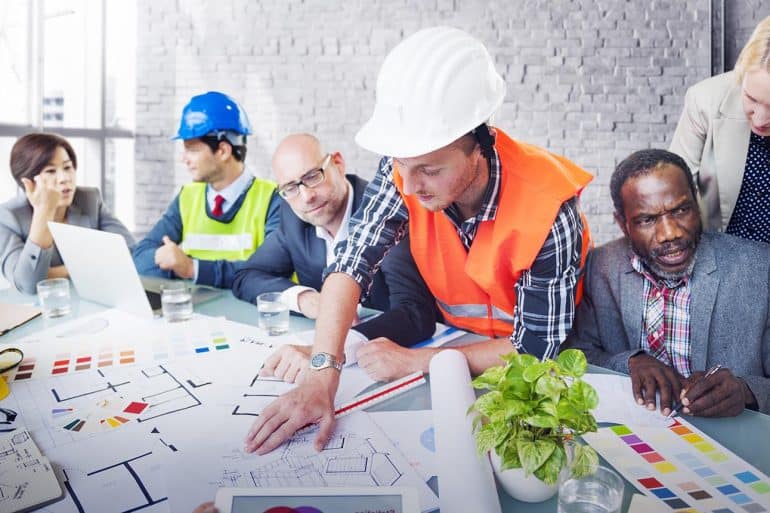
272, 313
600, 492
176, 301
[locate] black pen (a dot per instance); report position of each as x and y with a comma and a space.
678, 406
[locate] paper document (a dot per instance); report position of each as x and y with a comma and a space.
358, 454
465, 481
12, 315
616, 402
26, 476
412, 433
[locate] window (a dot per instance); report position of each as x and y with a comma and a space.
68, 66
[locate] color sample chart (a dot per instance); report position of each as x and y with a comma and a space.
105, 415
25, 368
683, 468
120, 342
190, 342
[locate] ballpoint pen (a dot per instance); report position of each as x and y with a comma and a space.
678, 406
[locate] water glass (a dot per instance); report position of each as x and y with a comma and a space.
272, 313
54, 296
176, 301
601, 492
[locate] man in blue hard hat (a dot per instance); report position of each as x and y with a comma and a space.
224, 214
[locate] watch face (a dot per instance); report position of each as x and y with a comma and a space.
318, 360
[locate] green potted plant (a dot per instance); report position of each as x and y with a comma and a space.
529, 418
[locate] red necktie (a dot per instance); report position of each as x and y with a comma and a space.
217, 210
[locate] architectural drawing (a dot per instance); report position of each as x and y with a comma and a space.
358, 454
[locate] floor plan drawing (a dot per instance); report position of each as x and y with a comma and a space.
358, 454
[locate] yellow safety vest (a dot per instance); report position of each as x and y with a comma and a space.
206, 238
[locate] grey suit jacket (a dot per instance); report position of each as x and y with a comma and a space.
729, 309
23, 262
713, 138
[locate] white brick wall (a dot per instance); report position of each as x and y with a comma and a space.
591, 79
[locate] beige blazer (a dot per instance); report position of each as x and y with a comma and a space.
713, 138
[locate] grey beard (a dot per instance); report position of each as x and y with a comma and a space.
669, 276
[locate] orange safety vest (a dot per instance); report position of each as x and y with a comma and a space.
475, 288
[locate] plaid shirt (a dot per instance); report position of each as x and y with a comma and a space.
670, 302
545, 294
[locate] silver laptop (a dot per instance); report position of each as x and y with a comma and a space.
101, 268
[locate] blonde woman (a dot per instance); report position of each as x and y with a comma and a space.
44, 166
724, 136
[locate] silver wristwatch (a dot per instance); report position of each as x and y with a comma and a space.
320, 361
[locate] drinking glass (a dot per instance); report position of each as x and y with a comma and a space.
176, 301
272, 313
54, 296
600, 492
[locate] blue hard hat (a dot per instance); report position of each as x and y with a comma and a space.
212, 112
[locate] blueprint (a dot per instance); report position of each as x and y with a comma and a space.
133, 393
358, 454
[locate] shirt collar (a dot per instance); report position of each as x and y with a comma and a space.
232, 191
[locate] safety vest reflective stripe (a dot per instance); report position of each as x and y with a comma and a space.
476, 311
224, 242
208, 238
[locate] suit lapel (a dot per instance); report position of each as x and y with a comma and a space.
731, 145
631, 290
703, 287
76, 217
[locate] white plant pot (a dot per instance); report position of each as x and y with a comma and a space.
521, 487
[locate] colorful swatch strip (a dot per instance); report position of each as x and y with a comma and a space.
105, 415
181, 346
683, 468
25, 368
64, 363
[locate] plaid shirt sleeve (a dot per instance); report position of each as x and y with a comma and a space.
379, 223
545, 294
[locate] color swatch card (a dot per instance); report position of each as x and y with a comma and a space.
683, 468
106, 414
114, 339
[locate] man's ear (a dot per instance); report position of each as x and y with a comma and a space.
339, 161
621, 222
225, 150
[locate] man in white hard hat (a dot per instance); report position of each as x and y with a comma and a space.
494, 225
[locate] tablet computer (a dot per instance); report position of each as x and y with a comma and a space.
384, 499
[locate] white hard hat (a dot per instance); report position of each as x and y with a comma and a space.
434, 87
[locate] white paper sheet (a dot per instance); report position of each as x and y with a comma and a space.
465, 480
642, 504
616, 402
413, 434
358, 454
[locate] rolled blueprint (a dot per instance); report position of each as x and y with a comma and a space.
465, 480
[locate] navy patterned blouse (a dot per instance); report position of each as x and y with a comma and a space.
751, 217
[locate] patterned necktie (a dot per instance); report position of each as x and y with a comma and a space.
217, 210
656, 325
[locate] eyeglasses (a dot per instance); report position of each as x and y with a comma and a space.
312, 178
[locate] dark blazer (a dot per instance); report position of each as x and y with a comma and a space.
398, 289
729, 309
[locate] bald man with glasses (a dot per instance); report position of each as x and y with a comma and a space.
322, 198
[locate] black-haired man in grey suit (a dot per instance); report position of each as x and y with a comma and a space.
667, 302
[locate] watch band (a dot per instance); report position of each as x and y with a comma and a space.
319, 361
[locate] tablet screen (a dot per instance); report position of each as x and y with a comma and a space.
317, 504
